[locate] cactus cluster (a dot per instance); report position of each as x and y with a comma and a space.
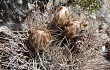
39, 38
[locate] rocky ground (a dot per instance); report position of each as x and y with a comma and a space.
93, 53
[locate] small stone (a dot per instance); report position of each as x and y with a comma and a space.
104, 26
1, 20
103, 49
93, 16
20, 2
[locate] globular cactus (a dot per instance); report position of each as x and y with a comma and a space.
39, 38
73, 28
62, 16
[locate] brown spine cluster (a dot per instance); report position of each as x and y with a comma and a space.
39, 38
73, 28
62, 16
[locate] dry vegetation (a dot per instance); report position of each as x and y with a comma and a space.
81, 52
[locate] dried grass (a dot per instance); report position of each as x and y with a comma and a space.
64, 54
